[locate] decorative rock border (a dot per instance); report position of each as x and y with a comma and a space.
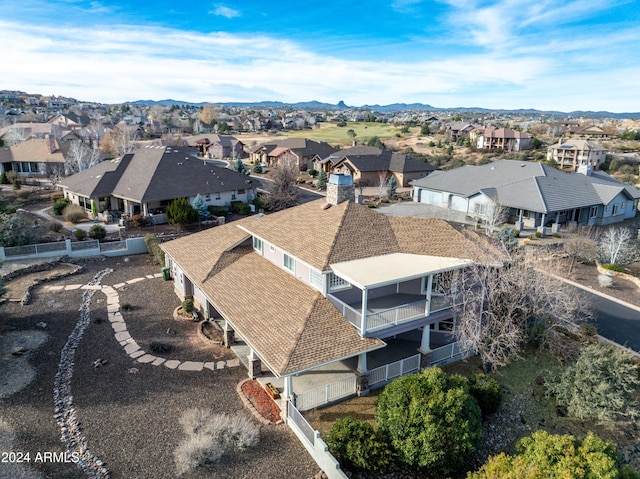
206, 338
617, 274
27, 295
65, 411
252, 408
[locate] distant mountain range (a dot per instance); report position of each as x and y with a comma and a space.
394, 107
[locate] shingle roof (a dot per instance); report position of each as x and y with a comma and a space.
577, 144
33, 149
369, 158
154, 174
302, 146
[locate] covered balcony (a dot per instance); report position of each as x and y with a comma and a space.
383, 294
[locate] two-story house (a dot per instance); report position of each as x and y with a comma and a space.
570, 154
329, 289
492, 138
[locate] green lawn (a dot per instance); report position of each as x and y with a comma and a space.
336, 135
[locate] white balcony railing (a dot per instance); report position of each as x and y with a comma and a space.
397, 315
353, 315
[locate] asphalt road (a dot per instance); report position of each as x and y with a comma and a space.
617, 323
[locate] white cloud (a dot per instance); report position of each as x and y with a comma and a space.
224, 11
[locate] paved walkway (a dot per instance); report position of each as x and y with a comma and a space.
131, 347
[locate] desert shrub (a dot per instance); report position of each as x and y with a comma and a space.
210, 435
311, 172
431, 419
218, 210
15, 230
240, 207
537, 234
153, 246
97, 232
599, 386
487, 392
357, 446
187, 306
553, 455
16, 184
126, 307
74, 214
3, 179
59, 205
613, 267
158, 347
54, 226
79, 234
23, 194
139, 221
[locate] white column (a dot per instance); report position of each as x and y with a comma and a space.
364, 312
426, 338
362, 363
288, 387
428, 286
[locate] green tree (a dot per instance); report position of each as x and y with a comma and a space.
431, 419
376, 142
425, 130
223, 127
97, 232
600, 385
321, 184
239, 166
201, 207
545, 455
392, 188
180, 212
356, 445
14, 230
351, 133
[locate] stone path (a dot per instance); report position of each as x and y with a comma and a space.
131, 347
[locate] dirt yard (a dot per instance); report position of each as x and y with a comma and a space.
129, 412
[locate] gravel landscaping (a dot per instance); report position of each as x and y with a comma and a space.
128, 412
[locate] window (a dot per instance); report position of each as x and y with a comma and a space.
233, 195
207, 196
289, 262
615, 210
257, 244
241, 192
218, 195
593, 212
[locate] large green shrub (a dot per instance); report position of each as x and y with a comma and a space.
431, 419
187, 306
153, 246
59, 205
487, 392
218, 210
357, 446
599, 386
80, 234
543, 455
15, 230
97, 232
240, 207
180, 212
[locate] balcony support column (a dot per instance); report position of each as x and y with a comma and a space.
425, 340
363, 330
362, 376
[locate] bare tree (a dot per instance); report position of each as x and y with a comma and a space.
495, 215
282, 190
55, 172
580, 246
615, 244
80, 157
382, 184
503, 308
15, 135
120, 140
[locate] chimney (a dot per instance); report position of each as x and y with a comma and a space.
340, 188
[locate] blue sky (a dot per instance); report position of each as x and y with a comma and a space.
545, 54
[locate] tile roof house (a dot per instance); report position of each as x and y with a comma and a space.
366, 163
323, 282
492, 138
301, 151
148, 179
536, 194
570, 154
212, 145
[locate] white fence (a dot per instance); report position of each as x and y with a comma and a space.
447, 354
326, 394
313, 443
383, 374
74, 249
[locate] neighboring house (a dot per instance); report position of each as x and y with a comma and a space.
320, 287
572, 153
534, 193
20, 131
492, 138
366, 164
212, 145
588, 131
299, 151
33, 158
460, 129
148, 179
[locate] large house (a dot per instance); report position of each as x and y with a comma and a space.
492, 138
369, 165
571, 154
329, 289
535, 194
301, 152
148, 179
216, 146
33, 158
